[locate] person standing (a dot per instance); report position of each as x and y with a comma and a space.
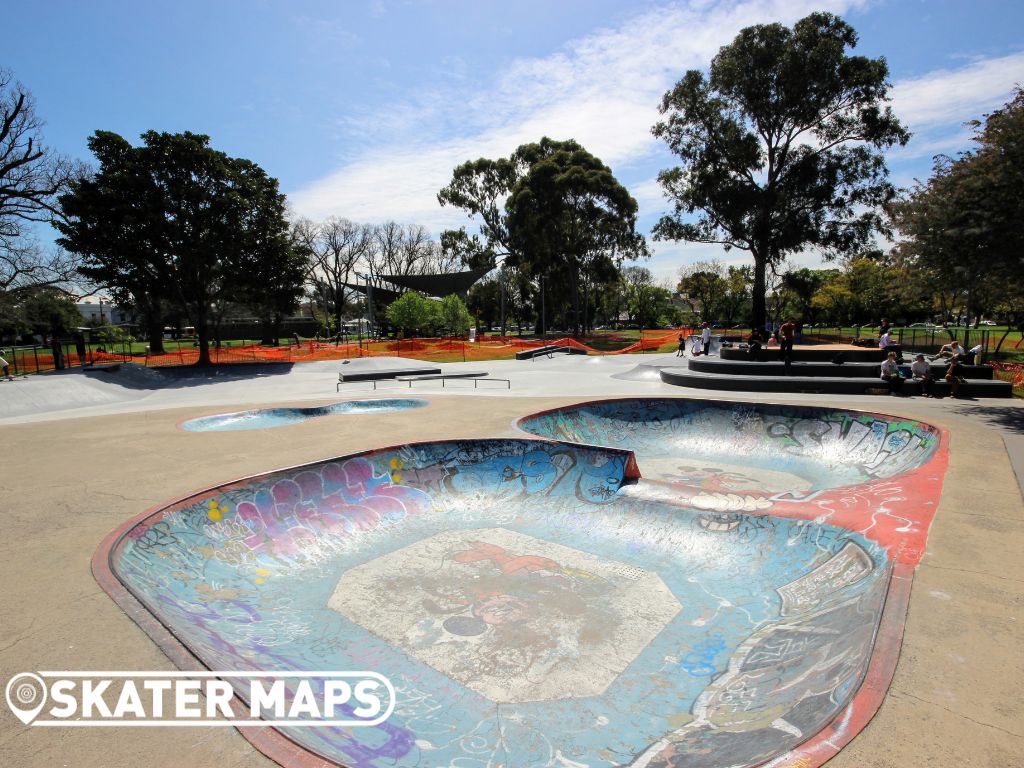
80, 348
787, 333
6, 367
681, 351
705, 337
58, 353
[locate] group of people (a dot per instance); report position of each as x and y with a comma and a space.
921, 369
701, 344
921, 372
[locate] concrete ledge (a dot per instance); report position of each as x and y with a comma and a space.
385, 373
814, 368
682, 377
852, 355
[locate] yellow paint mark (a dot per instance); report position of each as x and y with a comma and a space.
214, 514
213, 503
261, 581
262, 572
396, 478
397, 464
679, 719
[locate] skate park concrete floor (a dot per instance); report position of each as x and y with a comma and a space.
81, 454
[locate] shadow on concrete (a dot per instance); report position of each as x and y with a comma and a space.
1005, 417
132, 376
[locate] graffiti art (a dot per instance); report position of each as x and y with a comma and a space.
552, 602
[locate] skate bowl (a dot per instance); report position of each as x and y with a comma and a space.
539, 602
268, 418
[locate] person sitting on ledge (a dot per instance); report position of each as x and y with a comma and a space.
955, 375
887, 342
921, 372
953, 349
754, 342
891, 374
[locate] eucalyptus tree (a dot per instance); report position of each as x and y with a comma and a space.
781, 146
552, 210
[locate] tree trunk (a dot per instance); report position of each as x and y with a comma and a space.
758, 296
575, 302
155, 332
203, 331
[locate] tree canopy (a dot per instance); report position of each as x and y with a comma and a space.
551, 209
412, 312
31, 177
963, 226
177, 220
780, 146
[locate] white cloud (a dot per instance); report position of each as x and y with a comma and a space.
948, 97
602, 90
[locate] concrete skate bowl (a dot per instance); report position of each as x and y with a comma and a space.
268, 418
529, 606
753, 457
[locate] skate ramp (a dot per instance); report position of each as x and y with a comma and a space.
530, 601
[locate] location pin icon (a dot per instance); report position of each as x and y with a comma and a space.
26, 695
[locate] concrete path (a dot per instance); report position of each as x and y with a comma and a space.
81, 454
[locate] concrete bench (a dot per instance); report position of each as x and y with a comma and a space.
382, 373
823, 384
474, 376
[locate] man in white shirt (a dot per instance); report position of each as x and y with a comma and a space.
953, 349
921, 372
705, 337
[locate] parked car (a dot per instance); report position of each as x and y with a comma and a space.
987, 322
924, 325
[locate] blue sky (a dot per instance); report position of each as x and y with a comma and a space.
362, 108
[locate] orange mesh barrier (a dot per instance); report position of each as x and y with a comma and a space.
427, 349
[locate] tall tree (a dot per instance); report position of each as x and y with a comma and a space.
571, 216
780, 146
335, 248
176, 213
31, 178
551, 209
963, 225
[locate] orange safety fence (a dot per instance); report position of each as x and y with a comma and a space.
452, 349
1012, 372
